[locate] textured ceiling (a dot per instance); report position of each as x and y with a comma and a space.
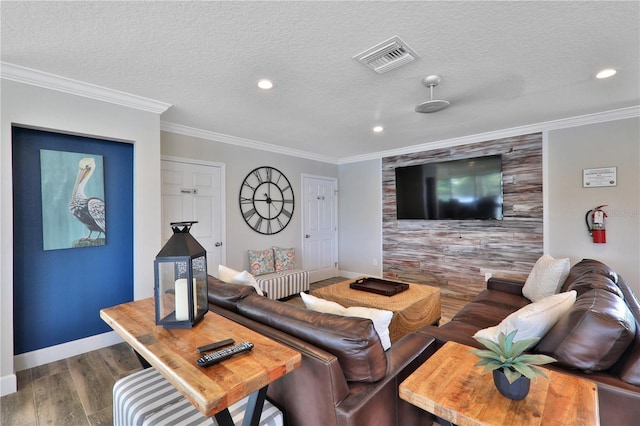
503, 64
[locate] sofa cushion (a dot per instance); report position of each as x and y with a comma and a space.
583, 283
353, 341
380, 317
533, 320
593, 334
628, 367
489, 308
546, 277
226, 295
588, 267
508, 301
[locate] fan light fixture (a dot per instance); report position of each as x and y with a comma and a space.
432, 105
378, 129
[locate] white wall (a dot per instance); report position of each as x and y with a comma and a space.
46, 109
565, 153
239, 162
568, 152
360, 218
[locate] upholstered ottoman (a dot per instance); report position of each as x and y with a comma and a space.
147, 398
284, 283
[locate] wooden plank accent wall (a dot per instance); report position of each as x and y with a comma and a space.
455, 255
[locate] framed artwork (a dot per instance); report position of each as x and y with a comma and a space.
73, 207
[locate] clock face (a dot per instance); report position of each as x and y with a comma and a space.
266, 200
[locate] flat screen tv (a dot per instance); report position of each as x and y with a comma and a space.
460, 189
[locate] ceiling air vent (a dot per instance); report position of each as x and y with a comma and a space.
387, 55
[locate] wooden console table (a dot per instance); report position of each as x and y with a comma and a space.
450, 386
173, 353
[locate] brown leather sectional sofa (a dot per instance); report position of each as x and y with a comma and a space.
346, 378
599, 338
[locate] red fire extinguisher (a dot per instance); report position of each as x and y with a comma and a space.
596, 226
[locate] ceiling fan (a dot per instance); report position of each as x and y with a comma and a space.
432, 105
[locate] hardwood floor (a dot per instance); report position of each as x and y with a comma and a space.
77, 390
73, 391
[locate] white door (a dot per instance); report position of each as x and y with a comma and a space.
194, 192
320, 227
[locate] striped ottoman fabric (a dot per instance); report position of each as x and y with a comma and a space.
284, 283
147, 398
275, 285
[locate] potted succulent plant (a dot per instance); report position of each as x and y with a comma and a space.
512, 370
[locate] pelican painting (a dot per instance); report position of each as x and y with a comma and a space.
73, 207
88, 210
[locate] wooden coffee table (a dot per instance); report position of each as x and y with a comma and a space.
412, 308
450, 386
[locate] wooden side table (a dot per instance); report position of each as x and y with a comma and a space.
450, 386
212, 389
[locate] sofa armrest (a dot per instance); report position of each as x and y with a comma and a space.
505, 285
618, 406
369, 403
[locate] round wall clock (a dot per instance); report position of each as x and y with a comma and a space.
266, 200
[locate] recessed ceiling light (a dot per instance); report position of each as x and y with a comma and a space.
606, 73
265, 84
378, 129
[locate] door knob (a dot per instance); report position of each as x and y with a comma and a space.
307, 236
218, 244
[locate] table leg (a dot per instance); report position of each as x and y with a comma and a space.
254, 408
252, 412
145, 364
224, 418
443, 422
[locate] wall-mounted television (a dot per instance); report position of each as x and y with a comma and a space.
470, 188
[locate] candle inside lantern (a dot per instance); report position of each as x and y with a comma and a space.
182, 300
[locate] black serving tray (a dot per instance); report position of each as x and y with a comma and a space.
378, 286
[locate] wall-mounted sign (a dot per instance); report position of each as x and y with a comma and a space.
602, 176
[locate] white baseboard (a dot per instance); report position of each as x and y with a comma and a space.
64, 350
8, 384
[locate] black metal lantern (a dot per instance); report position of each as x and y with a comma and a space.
181, 279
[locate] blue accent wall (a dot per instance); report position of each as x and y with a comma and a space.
58, 294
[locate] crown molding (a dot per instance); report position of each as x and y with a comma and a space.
564, 123
46, 80
246, 143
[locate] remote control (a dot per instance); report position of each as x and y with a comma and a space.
215, 345
222, 354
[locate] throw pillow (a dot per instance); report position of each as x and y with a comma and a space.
261, 261
231, 276
226, 274
380, 318
284, 258
533, 320
546, 277
321, 305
